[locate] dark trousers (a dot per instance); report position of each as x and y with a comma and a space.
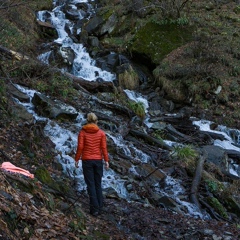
93, 172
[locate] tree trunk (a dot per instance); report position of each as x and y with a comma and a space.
149, 139
92, 86
197, 179
10, 54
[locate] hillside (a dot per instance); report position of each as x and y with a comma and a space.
199, 69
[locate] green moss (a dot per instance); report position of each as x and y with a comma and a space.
138, 108
117, 41
212, 186
43, 175
160, 134
156, 41
106, 12
237, 9
232, 205
213, 202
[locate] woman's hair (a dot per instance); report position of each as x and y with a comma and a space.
92, 118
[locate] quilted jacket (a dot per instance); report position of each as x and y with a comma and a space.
92, 143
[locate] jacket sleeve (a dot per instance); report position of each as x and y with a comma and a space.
104, 147
79, 145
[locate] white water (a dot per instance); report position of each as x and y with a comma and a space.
231, 136
83, 65
173, 189
229, 140
66, 140
128, 149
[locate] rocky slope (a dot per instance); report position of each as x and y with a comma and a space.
45, 208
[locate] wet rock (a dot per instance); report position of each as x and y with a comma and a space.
21, 113
15, 92
169, 203
150, 174
111, 193
93, 42
67, 54
218, 156
53, 109
110, 25
93, 25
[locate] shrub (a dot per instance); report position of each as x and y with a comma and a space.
129, 79
186, 152
138, 109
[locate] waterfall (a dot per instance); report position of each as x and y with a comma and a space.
66, 140
83, 65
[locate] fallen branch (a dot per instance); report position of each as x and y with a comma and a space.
20, 178
116, 107
45, 24
180, 136
12, 54
92, 86
197, 179
150, 139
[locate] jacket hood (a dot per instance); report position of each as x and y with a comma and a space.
90, 128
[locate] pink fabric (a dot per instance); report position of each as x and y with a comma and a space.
10, 167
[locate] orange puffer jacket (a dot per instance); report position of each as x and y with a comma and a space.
92, 144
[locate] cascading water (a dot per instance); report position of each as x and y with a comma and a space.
230, 142
83, 65
65, 138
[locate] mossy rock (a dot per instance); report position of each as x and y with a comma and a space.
156, 41
218, 207
232, 205
212, 184
43, 175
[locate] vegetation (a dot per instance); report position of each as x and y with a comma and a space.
17, 18
138, 109
217, 206
128, 79
191, 50
185, 152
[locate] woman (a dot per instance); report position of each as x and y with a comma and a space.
91, 149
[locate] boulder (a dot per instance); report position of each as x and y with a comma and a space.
217, 156
53, 109
15, 92
93, 25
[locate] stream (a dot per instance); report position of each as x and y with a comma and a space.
64, 135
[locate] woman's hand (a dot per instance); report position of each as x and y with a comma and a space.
106, 165
76, 164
